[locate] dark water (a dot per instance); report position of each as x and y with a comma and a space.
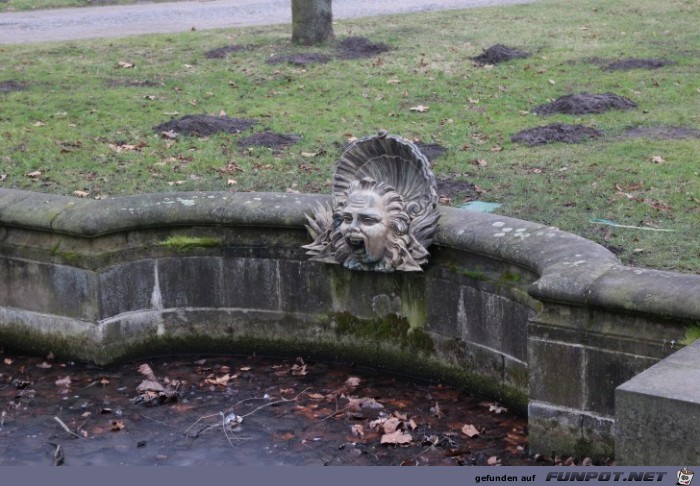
293, 413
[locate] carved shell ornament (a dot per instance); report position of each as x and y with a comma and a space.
384, 212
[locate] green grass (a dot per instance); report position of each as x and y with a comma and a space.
78, 108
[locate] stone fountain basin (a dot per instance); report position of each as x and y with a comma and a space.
546, 321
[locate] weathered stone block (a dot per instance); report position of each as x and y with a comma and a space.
555, 373
657, 413
48, 289
191, 282
251, 283
126, 287
305, 287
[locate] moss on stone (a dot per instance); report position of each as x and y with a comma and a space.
184, 243
692, 334
391, 329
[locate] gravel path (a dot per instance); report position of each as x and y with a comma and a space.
120, 21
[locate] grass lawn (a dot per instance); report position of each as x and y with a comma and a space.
79, 116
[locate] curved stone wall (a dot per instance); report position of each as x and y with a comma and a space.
541, 319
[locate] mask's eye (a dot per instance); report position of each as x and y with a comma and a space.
369, 221
347, 218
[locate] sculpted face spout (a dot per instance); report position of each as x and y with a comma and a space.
384, 209
364, 226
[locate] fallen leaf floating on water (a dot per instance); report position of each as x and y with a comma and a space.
358, 430
358, 404
353, 381
65, 381
146, 371
494, 407
398, 437
470, 431
298, 370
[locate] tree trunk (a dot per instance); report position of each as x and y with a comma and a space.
312, 21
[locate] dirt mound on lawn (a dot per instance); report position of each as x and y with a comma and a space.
627, 64
222, 52
499, 53
272, 140
661, 132
205, 125
557, 132
585, 103
359, 47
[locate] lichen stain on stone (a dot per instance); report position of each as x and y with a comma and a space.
186, 202
391, 329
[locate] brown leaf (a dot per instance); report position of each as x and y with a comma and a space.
358, 430
298, 370
149, 385
470, 431
353, 381
34, 174
391, 425
358, 404
65, 381
146, 371
657, 159
81, 193
126, 65
169, 134
220, 381
492, 461
397, 437
117, 425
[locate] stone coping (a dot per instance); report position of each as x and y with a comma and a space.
572, 270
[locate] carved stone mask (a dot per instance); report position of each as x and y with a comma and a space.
384, 212
364, 226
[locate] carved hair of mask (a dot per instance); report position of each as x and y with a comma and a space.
372, 226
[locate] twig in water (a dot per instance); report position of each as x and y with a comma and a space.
65, 427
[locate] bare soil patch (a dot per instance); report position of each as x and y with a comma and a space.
244, 411
300, 59
11, 85
357, 47
499, 53
556, 132
431, 150
205, 125
451, 188
633, 63
222, 52
585, 103
271, 140
661, 132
